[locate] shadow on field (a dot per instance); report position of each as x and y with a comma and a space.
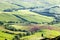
56, 38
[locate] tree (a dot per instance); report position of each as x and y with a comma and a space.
28, 33
11, 22
24, 34
42, 35
10, 28
1, 23
16, 38
5, 39
20, 35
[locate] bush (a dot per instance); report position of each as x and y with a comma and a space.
10, 28
8, 32
5, 39
11, 22
20, 35
24, 31
24, 34
1, 23
16, 38
35, 29
8, 10
28, 33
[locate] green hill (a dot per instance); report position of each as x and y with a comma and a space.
4, 36
7, 17
25, 16
46, 33
28, 20
6, 6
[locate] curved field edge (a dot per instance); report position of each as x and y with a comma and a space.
47, 33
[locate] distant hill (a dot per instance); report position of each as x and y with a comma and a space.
10, 4
41, 7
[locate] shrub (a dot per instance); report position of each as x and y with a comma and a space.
16, 38
10, 28
28, 33
34, 29
1, 23
11, 22
8, 32
5, 39
24, 34
20, 35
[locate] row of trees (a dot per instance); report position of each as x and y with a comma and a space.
26, 23
18, 36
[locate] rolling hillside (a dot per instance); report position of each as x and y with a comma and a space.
7, 6
29, 19
25, 16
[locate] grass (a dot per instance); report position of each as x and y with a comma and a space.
47, 33
6, 5
4, 36
27, 4
36, 3
8, 36
29, 16
34, 17
7, 17
57, 24
26, 15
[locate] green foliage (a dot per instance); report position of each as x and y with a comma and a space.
16, 38
46, 33
20, 35
10, 28
1, 23
4, 36
28, 33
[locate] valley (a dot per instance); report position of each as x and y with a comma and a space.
29, 19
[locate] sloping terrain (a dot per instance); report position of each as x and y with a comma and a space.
7, 6
30, 18
28, 4
37, 36
25, 15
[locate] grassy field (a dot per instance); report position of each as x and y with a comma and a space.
47, 33
27, 16
26, 4
36, 17
6, 5
36, 36
4, 36
7, 17
24, 15
33, 17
